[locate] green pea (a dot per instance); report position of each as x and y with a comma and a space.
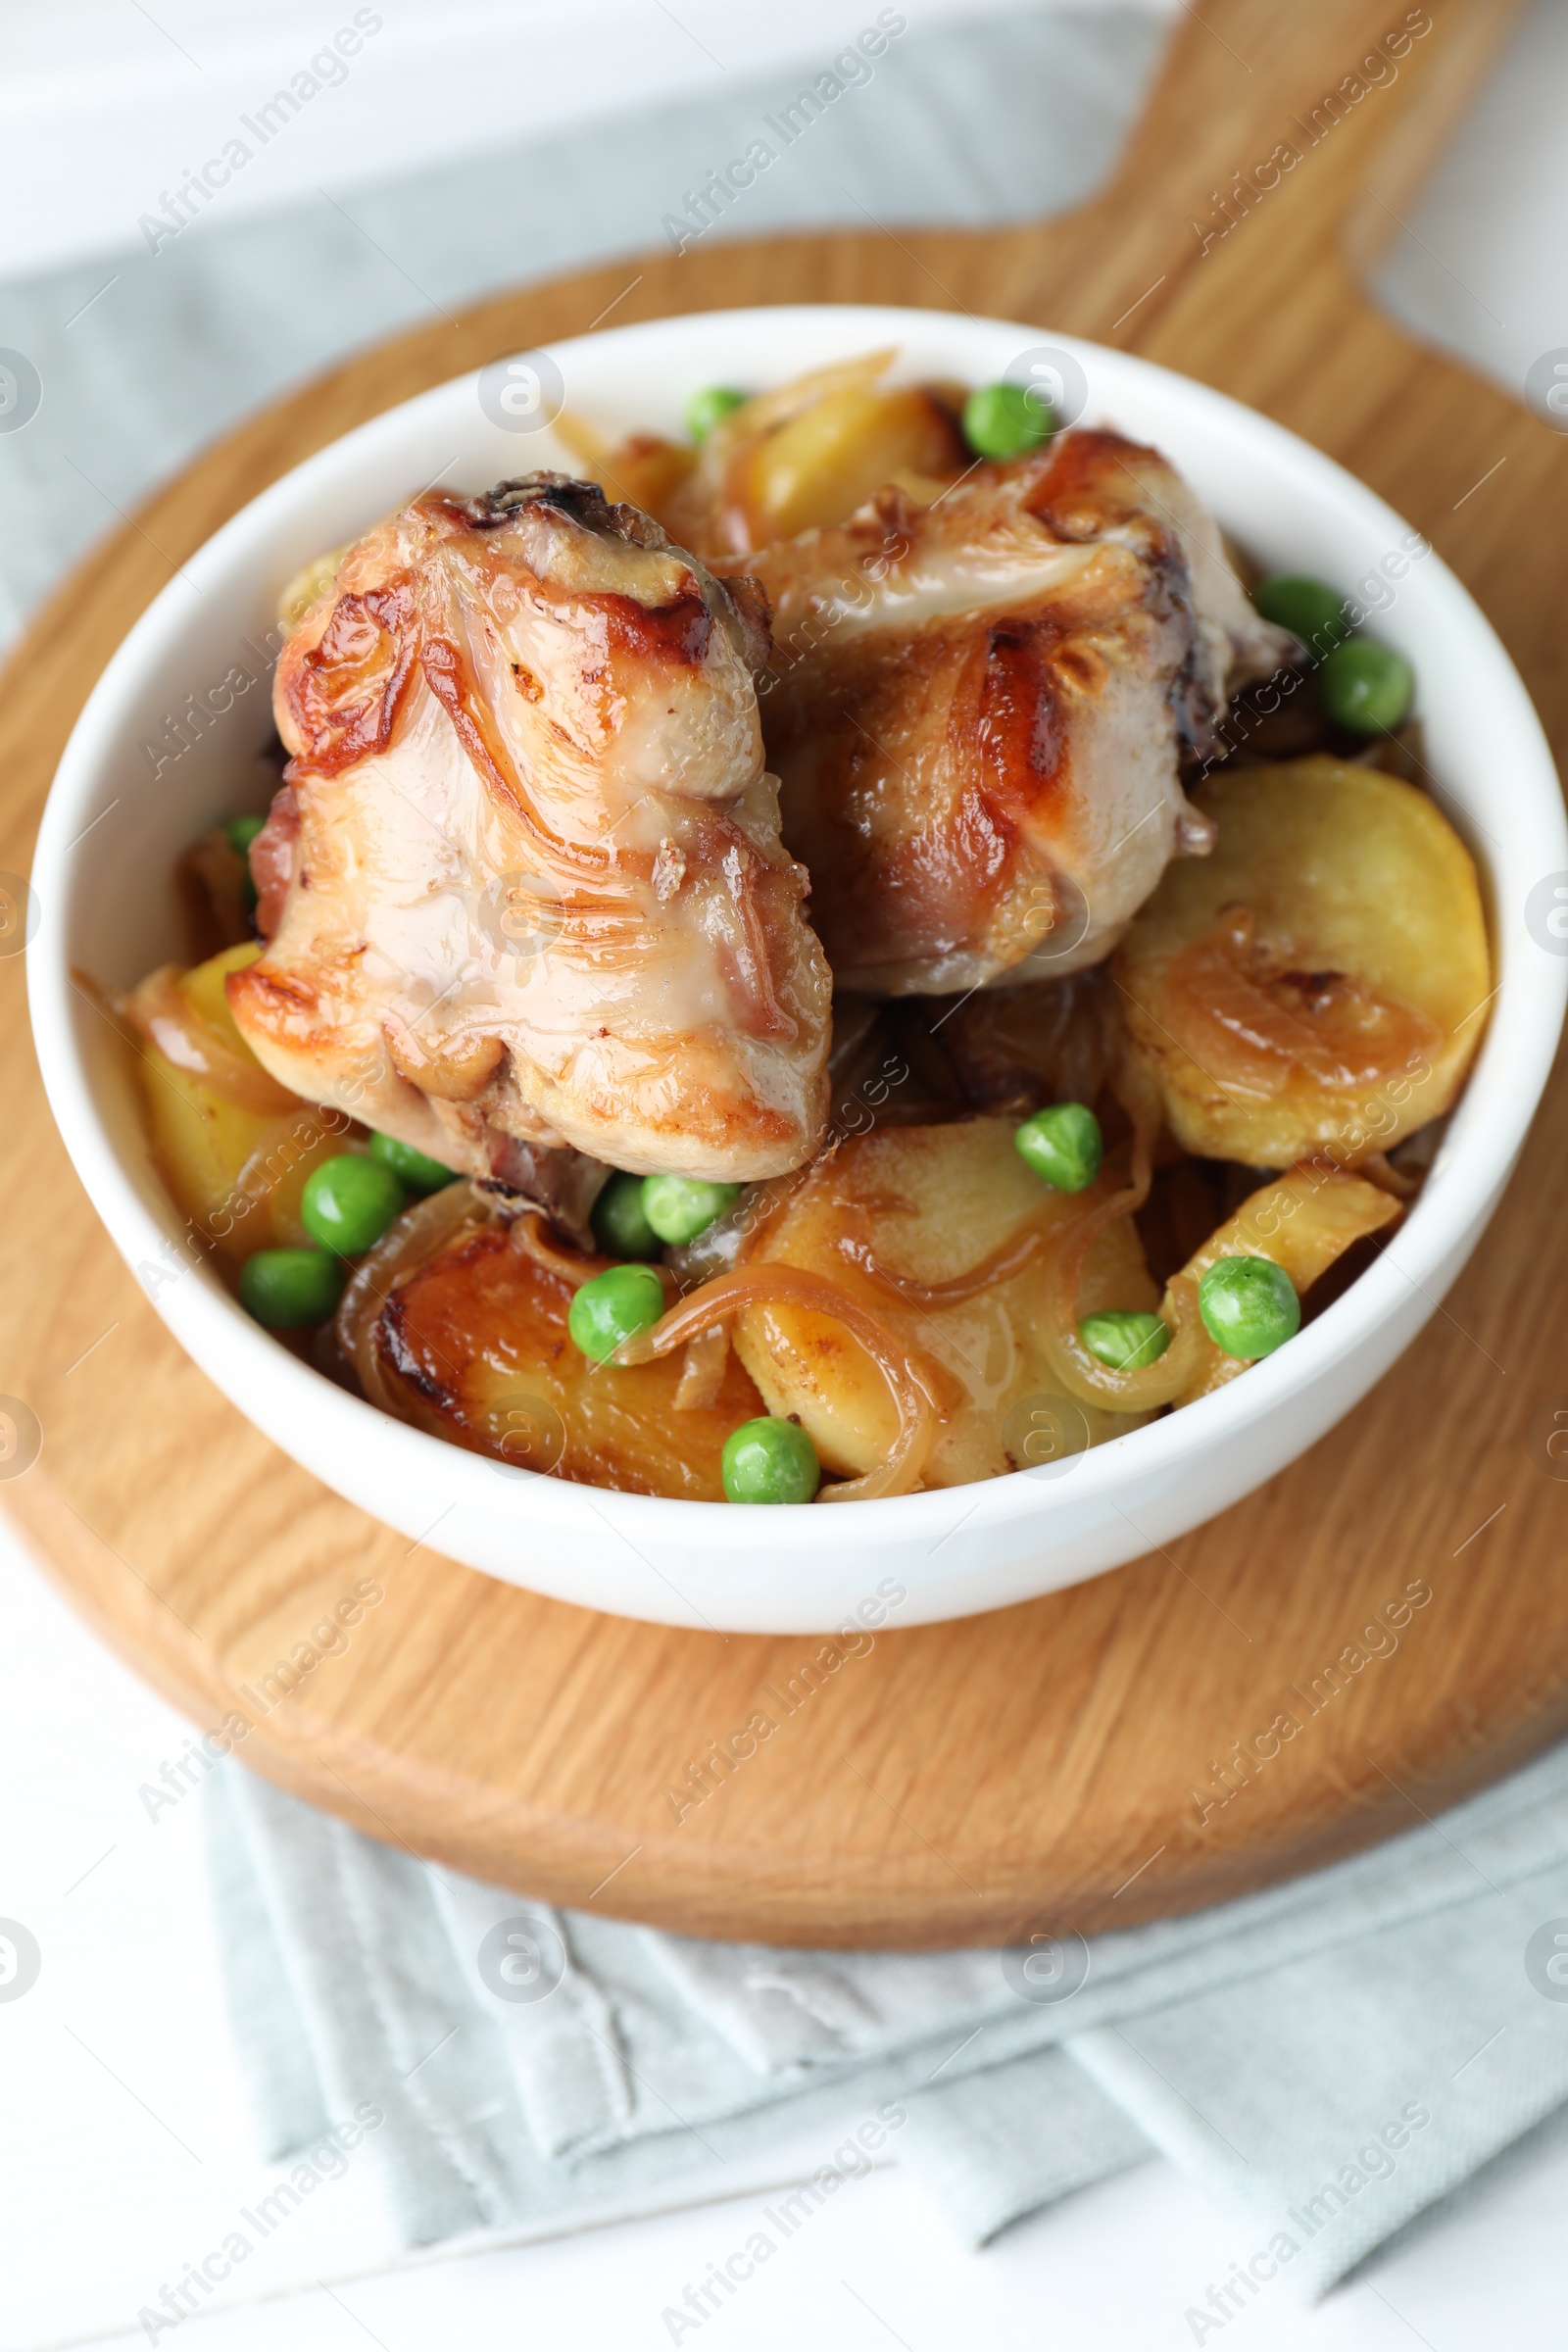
615, 1306
707, 407
681, 1208
287, 1287
1309, 609
1366, 686
416, 1169
1249, 1305
620, 1228
1062, 1144
349, 1202
1005, 420
770, 1461
1125, 1341
241, 831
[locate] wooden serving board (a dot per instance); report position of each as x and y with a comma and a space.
1063, 1764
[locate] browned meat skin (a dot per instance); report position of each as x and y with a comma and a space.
523, 884
272, 858
978, 710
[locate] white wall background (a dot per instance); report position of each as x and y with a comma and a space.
105, 104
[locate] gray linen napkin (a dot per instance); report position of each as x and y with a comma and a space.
1327, 2059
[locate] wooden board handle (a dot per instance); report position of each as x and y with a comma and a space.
958, 1778
1272, 121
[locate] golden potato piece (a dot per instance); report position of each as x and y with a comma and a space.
233, 1147
474, 1347
204, 987
806, 455
200, 1141
928, 1207
1320, 979
1304, 1222
835, 454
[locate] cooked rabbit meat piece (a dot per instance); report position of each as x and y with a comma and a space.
524, 885
1100, 483
979, 711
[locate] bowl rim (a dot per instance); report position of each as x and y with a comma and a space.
248, 1366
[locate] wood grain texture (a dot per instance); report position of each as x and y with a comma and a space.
960, 1782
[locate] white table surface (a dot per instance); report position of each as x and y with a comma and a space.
127, 2153
126, 2145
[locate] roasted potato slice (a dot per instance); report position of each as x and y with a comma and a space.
1304, 1221
930, 1206
233, 1147
816, 470
474, 1347
805, 456
1320, 979
200, 1143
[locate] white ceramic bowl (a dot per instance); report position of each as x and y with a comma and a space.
112, 830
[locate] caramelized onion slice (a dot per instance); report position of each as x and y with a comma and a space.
407, 1244
530, 1238
1082, 1375
911, 1382
1401, 1183
161, 1012
1320, 979
702, 1373
1010, 1258
1304, 1220
1243, 1016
